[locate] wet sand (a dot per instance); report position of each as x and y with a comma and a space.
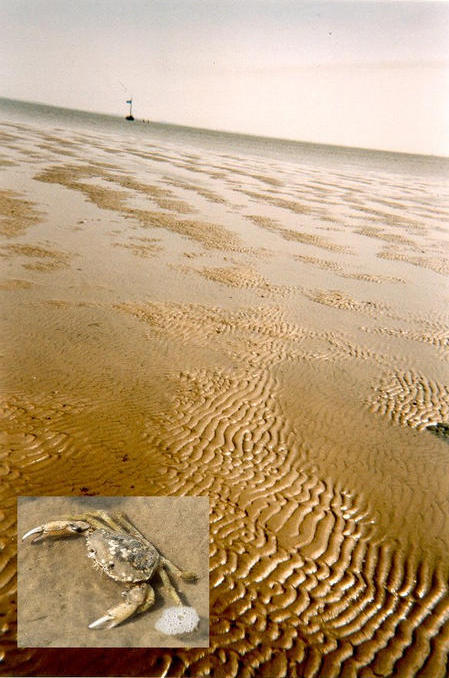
270, 335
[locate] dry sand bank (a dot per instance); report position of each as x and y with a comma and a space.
270, 335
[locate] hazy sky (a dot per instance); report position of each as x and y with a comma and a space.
361, 73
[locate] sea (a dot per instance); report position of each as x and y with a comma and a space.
225, 143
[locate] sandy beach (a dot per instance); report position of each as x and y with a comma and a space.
268, 333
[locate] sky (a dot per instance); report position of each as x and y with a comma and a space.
353, 73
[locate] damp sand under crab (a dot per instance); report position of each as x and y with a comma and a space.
206, 317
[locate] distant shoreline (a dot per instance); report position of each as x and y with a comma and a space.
230, 133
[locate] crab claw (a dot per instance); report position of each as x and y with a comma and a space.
134, 599
56, 529
102, 622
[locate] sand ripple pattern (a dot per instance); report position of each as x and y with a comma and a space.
344, 302
255, 337
299, 236
244, 278
16, 214
302, 583
411, 399
37, 257
110, 198
437, 264
327, 265
434, 335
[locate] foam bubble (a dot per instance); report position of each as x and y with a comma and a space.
178, 619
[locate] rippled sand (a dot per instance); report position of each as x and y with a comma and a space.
269, 335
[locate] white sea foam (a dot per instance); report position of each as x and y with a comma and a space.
178, 619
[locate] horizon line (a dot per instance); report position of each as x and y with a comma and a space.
229, 132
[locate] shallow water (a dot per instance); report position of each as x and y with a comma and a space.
261, 322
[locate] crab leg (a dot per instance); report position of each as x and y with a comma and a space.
149, 600
56, 529
169, 586
137, 599
96, 519
187, 576
125, 522
101, 519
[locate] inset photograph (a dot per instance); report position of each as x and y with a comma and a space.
113, 571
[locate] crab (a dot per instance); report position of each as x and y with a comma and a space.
123, 553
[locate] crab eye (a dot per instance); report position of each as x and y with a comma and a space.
77, 528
